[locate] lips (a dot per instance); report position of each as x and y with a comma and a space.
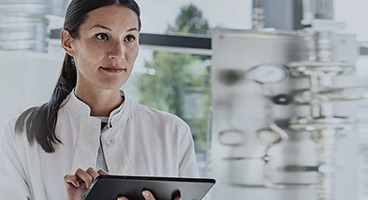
113, 69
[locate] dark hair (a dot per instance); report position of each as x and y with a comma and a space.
40, 122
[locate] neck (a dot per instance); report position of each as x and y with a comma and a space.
101, 102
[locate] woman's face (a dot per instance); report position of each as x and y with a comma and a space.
107, 46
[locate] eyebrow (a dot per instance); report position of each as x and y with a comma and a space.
107, 28
101, 26
132, 29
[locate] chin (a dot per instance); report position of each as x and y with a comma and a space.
112, 85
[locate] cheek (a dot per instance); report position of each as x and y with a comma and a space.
93, 51
133, 53
88, 56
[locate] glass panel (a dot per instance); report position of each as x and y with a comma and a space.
157, 15
177, 83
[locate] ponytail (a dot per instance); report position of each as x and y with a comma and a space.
40, 121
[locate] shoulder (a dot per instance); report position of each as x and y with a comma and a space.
15, 127
8, 134
10, 124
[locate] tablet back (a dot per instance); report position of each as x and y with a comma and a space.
108, 187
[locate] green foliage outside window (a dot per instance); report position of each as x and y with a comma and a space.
180, 83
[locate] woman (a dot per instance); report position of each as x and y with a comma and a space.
89, 126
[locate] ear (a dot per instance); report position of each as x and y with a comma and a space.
66, 42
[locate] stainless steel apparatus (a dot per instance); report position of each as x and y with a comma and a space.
24, 23
282, 110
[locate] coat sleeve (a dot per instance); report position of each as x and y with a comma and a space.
188, 166
13, 183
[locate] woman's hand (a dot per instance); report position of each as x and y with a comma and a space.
77, 184
148, 196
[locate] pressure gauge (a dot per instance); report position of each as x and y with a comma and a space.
267, 73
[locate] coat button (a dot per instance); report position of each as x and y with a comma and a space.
110, 142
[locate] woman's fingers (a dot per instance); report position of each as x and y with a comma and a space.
148, 195
71, 179
77, 183
177, 198
102, 172
92, 172
86, 176
82, 176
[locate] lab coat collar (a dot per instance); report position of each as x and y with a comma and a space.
122, 113
76, 105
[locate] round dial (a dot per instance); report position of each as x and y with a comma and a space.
267, 74
268, 136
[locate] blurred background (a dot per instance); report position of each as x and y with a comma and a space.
274, 90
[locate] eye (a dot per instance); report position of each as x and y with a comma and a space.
102, 36
129, 38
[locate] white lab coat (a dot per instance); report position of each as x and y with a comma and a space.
141, 141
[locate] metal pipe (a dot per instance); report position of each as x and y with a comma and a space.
324, 49
326, 144
258, 15
317, 9
323, 9
332, 95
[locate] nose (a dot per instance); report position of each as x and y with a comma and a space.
117, 51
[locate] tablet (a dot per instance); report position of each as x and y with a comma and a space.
110, 187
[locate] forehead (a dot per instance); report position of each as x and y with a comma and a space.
113, 15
